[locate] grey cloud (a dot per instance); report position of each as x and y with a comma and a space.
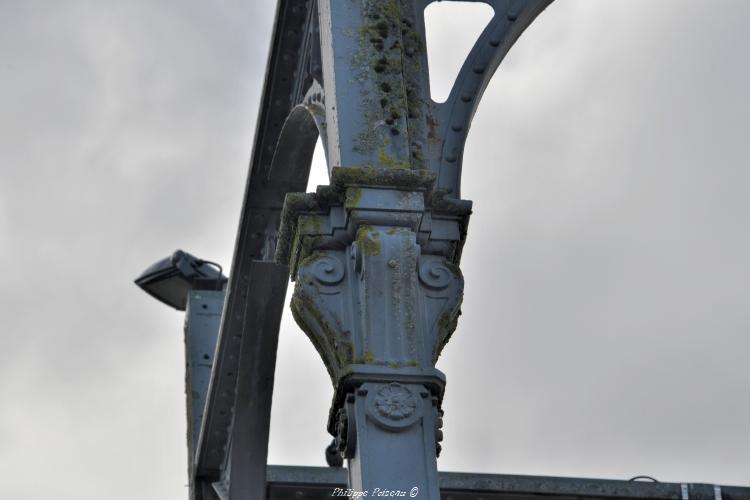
605, 320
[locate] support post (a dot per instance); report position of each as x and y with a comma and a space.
378, 293
375, 255
202, 318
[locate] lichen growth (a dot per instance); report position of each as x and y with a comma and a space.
367, 175
294, 205
446, 326
329, 340
398, 364
368, 240
301, 310
353, 196
388, 66
310, 224
388, 161
409, 255
314, 256
368, 358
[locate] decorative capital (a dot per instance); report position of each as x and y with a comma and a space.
375, 261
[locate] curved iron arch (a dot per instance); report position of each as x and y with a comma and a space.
510, 20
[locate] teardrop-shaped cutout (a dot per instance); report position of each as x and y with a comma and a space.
451, 28
318, 168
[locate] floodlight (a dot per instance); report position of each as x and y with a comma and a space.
170, 279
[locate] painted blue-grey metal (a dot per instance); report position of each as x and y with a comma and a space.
234, 432
378, 292
317, 483
202, 318
356, 74
378, 106
375, 255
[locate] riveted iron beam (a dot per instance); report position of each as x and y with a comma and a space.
317, 483
203, 315
454, 116
291, 66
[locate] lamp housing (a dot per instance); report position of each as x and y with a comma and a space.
170, 279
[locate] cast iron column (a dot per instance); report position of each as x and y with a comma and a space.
378, 293
375, 255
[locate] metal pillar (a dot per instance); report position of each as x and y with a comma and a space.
202, 317
378, 293
375, 255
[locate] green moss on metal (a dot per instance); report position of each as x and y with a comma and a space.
368, 358
397, 364
399, 178
345, 353
353, 196
302, 247
294, 205
311, 224
301, 309
446, 326
388, 161
310, 259
335, 350
368, 241
390, 58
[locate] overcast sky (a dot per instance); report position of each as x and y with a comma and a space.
606, 324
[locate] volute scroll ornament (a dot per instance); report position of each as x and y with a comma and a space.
328, 270
435, 274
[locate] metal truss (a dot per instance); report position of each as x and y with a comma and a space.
375, 257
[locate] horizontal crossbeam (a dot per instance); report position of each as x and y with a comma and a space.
318, 483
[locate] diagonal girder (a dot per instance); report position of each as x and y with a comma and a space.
267, 184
